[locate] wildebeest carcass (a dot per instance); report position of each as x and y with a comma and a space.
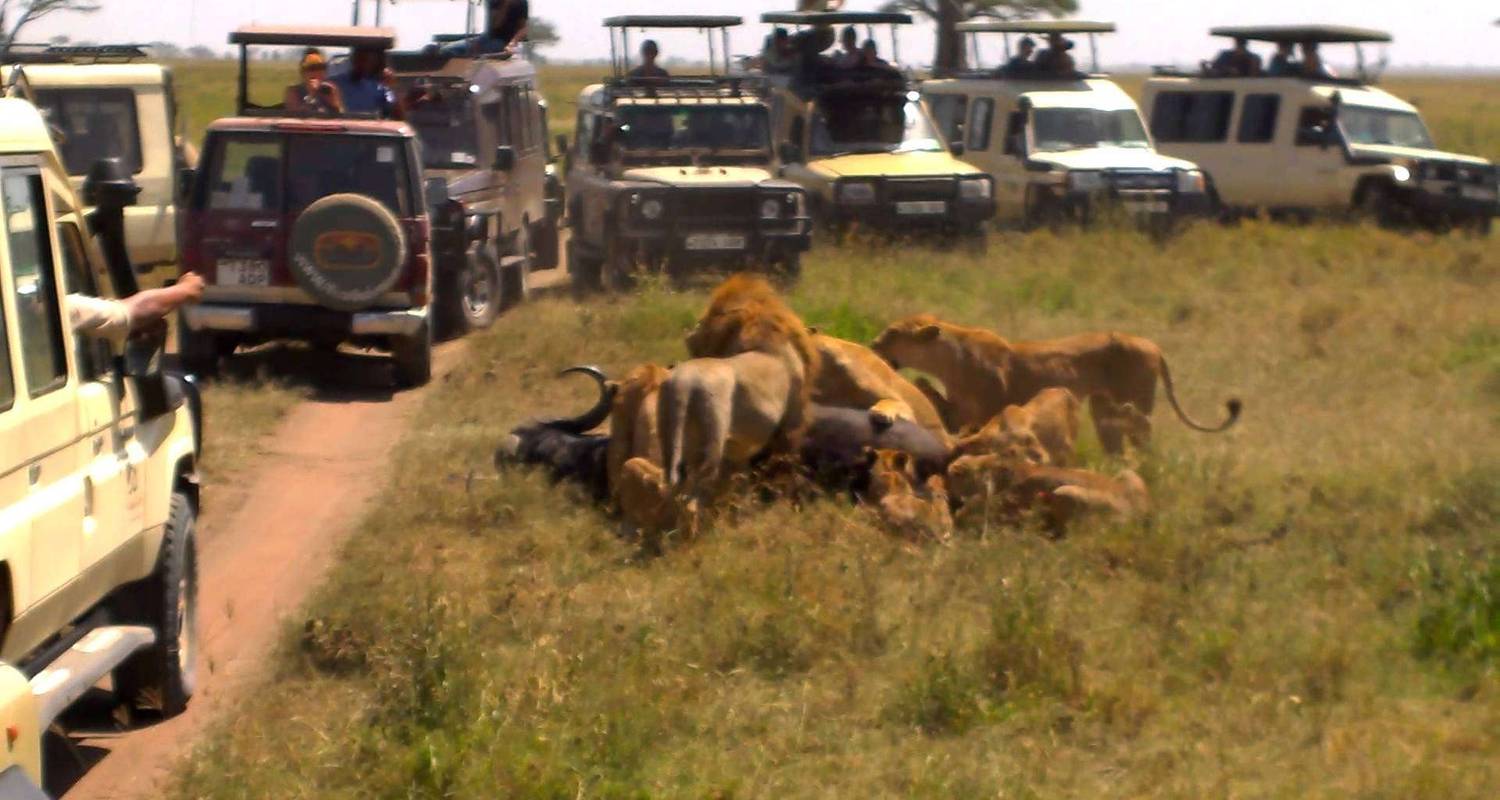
565, 445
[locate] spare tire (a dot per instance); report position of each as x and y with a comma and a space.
347, 250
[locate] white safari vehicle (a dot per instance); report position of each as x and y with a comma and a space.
98, 493
1294, 139
111, 101
1059, 144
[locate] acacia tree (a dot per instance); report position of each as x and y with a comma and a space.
15, 15
950, 56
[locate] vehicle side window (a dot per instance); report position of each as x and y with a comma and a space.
44, 360
92, 354
1015, 129
96, 123
1192, 116
981, 123
246, 175
1313, 126
950, 111
1258, 118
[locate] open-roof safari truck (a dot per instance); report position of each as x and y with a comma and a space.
98, 455
495, 207
860, 140
313, 228
112, 101
1307, 141
1060, 145
678, 172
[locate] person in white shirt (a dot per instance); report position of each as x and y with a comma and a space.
105, 318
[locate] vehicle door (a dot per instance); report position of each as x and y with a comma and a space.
237, 222
1002, 153
43, 447
1312, 160
531, 154
1254, 182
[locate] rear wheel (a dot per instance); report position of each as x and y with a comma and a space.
515, 277
547, 243
413, 358
165, 674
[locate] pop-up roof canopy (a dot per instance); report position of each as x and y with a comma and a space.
672, 21
1041, 27
314, 36
1323, 34
835, 18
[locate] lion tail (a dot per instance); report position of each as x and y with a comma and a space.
1233, 406
671, 424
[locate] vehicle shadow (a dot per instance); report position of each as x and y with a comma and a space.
337, 376
89, 724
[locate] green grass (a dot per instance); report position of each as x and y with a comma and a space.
1308, 612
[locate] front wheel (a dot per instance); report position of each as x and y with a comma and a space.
166, 672
515, 277
413, 358
585, 270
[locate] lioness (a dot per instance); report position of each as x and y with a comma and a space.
983, 372
1044, 429
1062, 494
904, 510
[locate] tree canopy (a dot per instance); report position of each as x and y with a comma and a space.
950, 55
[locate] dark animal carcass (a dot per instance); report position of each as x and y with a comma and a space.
565, 446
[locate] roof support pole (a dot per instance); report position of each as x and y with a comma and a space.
713, 63
1094, 50
244, 87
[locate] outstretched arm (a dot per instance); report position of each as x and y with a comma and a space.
153, 305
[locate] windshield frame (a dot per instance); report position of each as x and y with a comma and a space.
1346, 108
1034, 143
914, 117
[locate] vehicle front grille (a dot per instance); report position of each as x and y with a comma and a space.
1458, 173
1141, 181
719, 204
907, 189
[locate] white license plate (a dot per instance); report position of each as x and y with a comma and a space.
915, 208
714, 241
1150, 207
1478, 193
244, 272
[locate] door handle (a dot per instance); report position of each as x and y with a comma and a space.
34, 474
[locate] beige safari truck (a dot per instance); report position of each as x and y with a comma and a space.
1292, 141
1059, 146
859, 139
98, 455
113, 101
678, 172
482, 125
309, 228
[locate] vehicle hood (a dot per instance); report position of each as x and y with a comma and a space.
1112, 158
1394, 153
894, 165
724, 177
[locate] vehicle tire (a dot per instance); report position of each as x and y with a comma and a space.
346, 251
1375, 203
167, 601
786, 270
515, 278
197, 351
586, 271
412, 356
547, 240
470, 297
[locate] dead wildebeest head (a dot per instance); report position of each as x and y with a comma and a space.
565, 445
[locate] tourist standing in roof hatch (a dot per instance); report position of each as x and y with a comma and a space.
506, 25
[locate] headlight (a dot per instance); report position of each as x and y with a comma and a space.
1191, 181
1085, 181
770, 208
651, 209
976, 189
1400, 174
856, 193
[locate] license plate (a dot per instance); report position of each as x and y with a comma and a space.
244, 272
913, 208
1150, 207
1478, 193
715, 241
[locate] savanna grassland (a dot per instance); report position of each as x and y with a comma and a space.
1312, 610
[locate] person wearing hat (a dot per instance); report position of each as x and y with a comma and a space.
1021, 63
315, 95
1055, 59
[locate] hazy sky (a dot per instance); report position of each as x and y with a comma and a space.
1453, 33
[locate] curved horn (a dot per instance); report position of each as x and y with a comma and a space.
595, 416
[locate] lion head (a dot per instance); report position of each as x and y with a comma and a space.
746, 315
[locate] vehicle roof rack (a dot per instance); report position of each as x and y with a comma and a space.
314, 36
1325, 34
691, 86
835, 18
23, 53
1037, 26
673, 21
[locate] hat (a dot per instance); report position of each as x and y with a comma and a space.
314, 61
1027, 41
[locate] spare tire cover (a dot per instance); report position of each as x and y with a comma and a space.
347, 250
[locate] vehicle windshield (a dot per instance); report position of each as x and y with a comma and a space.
872, 124
269, 173
658, 128
444, 122
1380, 126
95, 124
1055, 129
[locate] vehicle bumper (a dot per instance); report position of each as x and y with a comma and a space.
1145, 206
887, 216
787, 238
1453, 202
288, 320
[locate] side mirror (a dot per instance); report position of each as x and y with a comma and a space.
186, 177
958, 148
791, 153
505, 158
562, 143
435, 192
110, 190
143, 366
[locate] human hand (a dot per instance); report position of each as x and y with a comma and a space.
191, 286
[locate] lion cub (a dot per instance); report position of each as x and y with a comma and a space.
913, 514
1061, 494
1044, 430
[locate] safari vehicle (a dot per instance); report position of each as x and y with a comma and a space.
98, 455
483, 129
1316, 143
862, 144
677, 172
309, 228
1059, 145
111, 101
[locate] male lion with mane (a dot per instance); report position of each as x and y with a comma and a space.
983, 372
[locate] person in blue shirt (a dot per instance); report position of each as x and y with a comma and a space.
363, 86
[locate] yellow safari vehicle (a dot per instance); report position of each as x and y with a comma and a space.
857, 136
1292, 137
98, 452
678, 171
1059, 142
113, 101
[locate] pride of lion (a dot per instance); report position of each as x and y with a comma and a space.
995, 444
